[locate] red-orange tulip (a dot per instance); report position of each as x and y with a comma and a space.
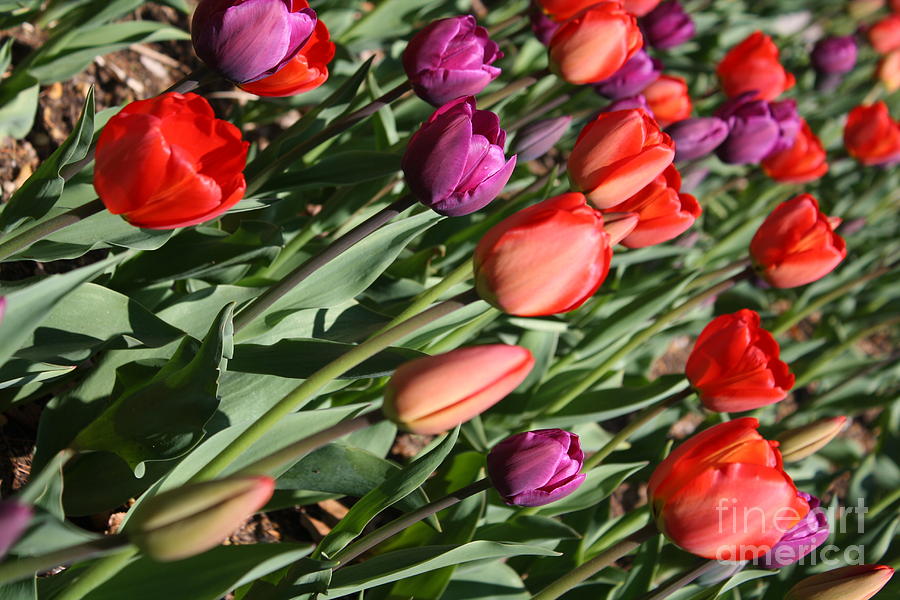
885, 34
724, 495
595, 43
639, 8
796, 244
548, 258
668, 99
889, 70
617, 154
802, 162
753, 65
560, 10
871, 136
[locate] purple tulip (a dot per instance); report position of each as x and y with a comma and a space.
697, 137
451, 58
250, 39
804, 537
789, 123
542, 25
834, 55
535, 139
14, 518
667, 26
454, 164
753, 131
630, 102
536, 467
632, 78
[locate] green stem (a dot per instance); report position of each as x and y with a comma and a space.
640, 338
97, 574
458, 275
644, 417
294, 246
728, 269
883, 504
25, 239
14, 570
264, 301
323, 376
591, 567
493, 98
684, 580
459, 335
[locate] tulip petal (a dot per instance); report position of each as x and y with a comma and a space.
240, 53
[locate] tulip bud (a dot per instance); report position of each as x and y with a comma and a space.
617, 154
545, 259
454, 163
191, 519
628, 103
885, 34
436, 393
451, 58
695, 138
246, 40
860, 9
535, 139
796, 244
871, 136
834, 55
668, 26
789, 122
752, 130
801, 539
636, 74
14, 518
535, 468
805, 441
889, 71
857, 582
805, 160
668, 99
753, 66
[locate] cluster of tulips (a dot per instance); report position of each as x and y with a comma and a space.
168, 162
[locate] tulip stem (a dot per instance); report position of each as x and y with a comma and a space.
325, 375
337, 127
540, 111
24, 240
644, 417
458, 275
97, 574
14, 570
493, 98
685, 579
591, 567
264, 301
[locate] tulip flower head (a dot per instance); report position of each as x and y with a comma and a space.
542, 25
168, 162
724, 495
753, 130
753, 66
246, 40
801, 539
856, 582
451, 58
636, 74
885, 34
889, 71
617, 154
454, 164
536, 139
805, 160
436, 393
871, 136
805, 441
535, 468
628, 103
639, 8
14, 519
669, 100
789, 123
668, 26
796, 244
695, 138
834, 55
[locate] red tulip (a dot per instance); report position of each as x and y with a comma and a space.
668, 99
734, 365
617, 154
724, 495
871, 136
168, 162
548, 258
804, 161
889, 71
560, 10
796, 244
885, 34
639, 8
753, 66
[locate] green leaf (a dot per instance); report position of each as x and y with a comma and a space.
527, 529
19, 372
493, 580
338, 169
47, 533
599, 483
18, 102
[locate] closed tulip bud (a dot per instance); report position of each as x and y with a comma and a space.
889, 71
436, 393
617, 154
639, 8
805, 160
628, 103
796, 244
856, 582
695, 138
454, 164
669, 100
662, 211
451, 58
724, 495
668, 26
636, 74
805, 441
871, 136
246, 40
801, 539
535, 139
734, 365
545, 259
753, 66
186, 521
168, 162
303, 73
14, 519
535, 468
542, 25
885, 34
834, 55
753, 131
594, 44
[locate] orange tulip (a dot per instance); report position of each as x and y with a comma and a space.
617, 154
639, 8
802, 162
753, 65
871, 136
885, 34
889, 70
560, 10
668, 99
595, 43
